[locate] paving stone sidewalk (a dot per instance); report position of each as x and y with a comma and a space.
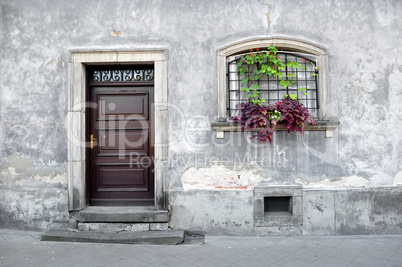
24, 248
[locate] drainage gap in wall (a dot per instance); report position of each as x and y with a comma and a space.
278, 206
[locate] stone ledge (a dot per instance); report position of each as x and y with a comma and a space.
327, 126
122, 215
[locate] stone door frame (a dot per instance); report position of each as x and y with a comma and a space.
76, 118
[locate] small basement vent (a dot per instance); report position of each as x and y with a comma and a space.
278, 205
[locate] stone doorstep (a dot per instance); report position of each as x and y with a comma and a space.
121, 215
169, 237
122, 227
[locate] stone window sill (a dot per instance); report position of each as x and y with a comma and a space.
328, 126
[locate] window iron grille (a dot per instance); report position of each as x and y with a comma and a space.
270, 90
121, 75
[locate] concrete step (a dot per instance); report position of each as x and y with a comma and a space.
169, 237
122, 215
120, 227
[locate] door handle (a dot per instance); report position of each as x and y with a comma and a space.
92, 141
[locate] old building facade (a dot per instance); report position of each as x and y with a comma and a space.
123, 108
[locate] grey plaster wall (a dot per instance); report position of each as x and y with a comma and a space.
365, 65
325, 212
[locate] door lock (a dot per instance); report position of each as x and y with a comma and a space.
92, 141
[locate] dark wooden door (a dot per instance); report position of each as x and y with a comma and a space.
120, 159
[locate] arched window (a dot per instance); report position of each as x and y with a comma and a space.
314, 58
303, 80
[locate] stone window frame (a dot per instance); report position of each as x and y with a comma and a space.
75, 123
325, 123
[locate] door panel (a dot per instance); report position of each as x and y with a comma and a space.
128, 105
112, 142
124, 178
121, 160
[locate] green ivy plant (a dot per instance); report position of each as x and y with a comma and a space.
269, 63
255, 115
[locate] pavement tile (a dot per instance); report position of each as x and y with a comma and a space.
5, 245
253, 262
131, 261
227, 242
329, 261
47, 260
152, 256
171, 261
63, 252
230, 256
25, 241
209, 250
397, 257
191, 256
83, 260
291, 261
11, 232
140, 248
176, 250
19, 248
211, 238
20, 264
11, 256
328, 241
393, 264
390, 239
310, 252
343, 253
13, 235
284, 248
291, 244
81, 257
357, 242
261, 242
380, 250
272, 254
215, 262
113, 255
247, 249
369, 261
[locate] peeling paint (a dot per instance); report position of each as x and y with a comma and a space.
344, 182
21, 171
17, 164
398, 179
269, 18
115, 33
58, 178
50, 61
220, 177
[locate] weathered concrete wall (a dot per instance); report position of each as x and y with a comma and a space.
217, 212
365, 65
32, 209
325, 212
